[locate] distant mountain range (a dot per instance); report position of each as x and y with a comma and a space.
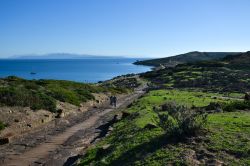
61, 56
186, 58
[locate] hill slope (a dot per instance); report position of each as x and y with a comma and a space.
240, 61
241, 58
193, 114
186, 58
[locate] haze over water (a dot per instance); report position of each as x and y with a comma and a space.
80, 70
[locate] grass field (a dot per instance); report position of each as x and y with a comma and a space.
191, 98
230, 135
131, 142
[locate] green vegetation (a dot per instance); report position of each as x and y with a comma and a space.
193, 114
130, 136
2, 125
205, 76
160, 131
236, 105
228, 140
189, 98
43, 94
239, 61
20, 96
180, 122
230, 134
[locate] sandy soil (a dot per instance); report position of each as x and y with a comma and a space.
22, 120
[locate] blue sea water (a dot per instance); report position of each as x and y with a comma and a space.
80, 70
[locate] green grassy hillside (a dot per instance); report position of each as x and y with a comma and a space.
239, 61
197, 116
43, 94
140, 139
209, 76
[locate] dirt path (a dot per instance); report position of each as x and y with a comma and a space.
61, 145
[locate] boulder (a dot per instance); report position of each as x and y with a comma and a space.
60, 114
5, 140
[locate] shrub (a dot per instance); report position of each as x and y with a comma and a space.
44, 102
235, 105
42, 94
2, 125
22, 97
84, 95
181, 122
31, 85
65, 95
14, 97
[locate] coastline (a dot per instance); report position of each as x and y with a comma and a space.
82, 70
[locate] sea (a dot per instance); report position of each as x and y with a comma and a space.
79, 70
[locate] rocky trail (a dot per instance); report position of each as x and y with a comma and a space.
64, 140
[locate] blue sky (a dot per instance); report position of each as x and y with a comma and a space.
141, 28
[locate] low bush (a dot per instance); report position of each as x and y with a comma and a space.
235, 105
44, 102
11, 96
84, 95
42, 94
181, 122
65, 95
2, 125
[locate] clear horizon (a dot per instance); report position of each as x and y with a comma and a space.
141, 28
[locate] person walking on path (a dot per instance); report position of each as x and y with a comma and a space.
111, 100
114, 101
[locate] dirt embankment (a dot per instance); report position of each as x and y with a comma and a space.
23, 120
62, 140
